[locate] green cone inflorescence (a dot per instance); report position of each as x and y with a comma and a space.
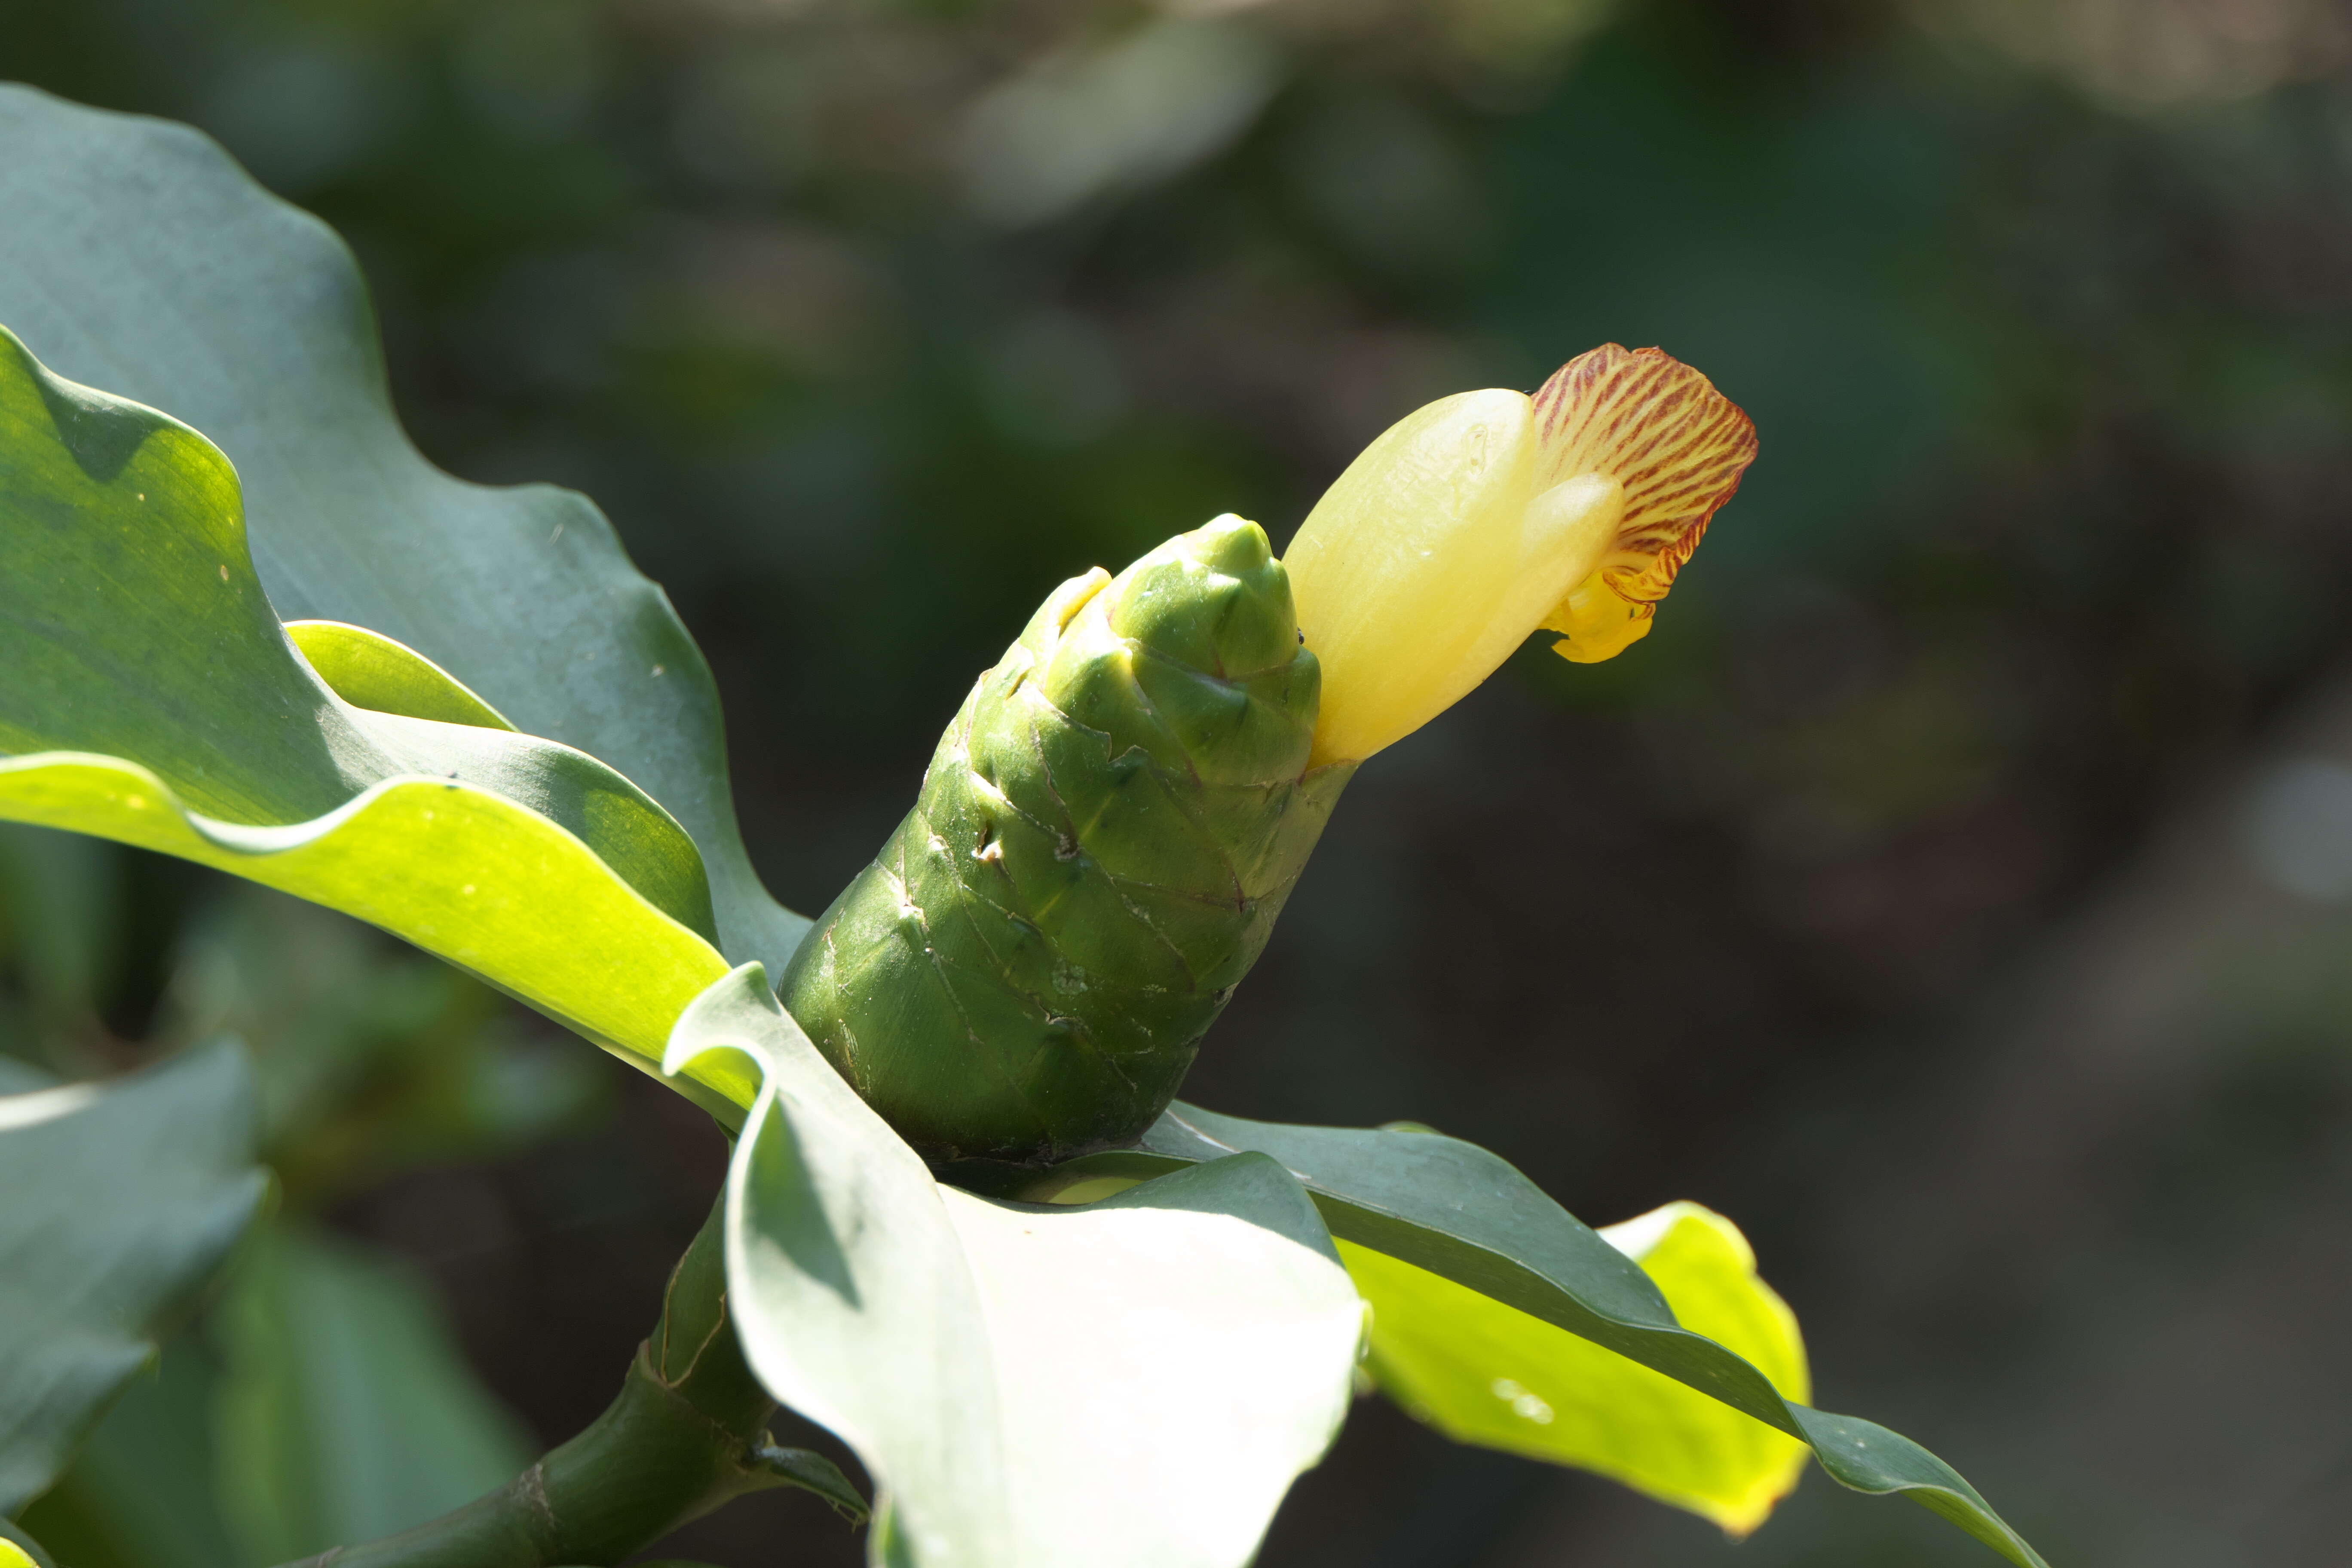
1103, 840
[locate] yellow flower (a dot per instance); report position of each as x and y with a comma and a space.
1489, 515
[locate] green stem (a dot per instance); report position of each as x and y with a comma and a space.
687, 1433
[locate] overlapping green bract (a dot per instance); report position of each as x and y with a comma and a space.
1103, 841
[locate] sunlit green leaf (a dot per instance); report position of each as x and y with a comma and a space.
344, 1412
138, 257
154, 699
1488, 1373
1134, 1382
459, 871
132, 626
368, 669
122, 1200
1464, 1214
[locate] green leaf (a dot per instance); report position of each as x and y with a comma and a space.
122, 1199
154, 699
23, 1078
459, 871
335, 1409
345, 1411
368, 669
132, 626
1464, 1214
1133, 1381
1488, 1373
138, 257
140, 1492
812, 1472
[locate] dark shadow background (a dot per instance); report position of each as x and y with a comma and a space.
1953, 890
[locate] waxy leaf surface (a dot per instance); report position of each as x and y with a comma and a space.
155, 700
1488, 1373
1461, 1214
123, 1198
132, 626
138, 257
1134, 1382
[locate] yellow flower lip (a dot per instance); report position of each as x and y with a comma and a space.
1678, 446
1479, 518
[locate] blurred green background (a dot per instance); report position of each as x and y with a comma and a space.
1956, 890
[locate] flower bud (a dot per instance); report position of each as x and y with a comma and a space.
1486, 516
1102, 842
